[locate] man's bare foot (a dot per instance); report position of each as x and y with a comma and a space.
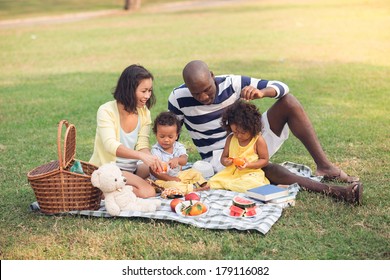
351, 194
336, 174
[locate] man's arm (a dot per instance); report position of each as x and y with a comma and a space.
174, 107
263, 88
250, 93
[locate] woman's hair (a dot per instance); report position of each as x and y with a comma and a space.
167, 119
243, 114
125, 91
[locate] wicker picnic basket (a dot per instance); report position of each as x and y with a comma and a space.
57, 189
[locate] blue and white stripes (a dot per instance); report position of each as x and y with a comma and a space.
203, 121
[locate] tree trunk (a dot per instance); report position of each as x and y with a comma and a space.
132, 4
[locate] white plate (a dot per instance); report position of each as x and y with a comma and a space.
187, 203
226, 211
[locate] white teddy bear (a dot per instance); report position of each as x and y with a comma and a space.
117, 195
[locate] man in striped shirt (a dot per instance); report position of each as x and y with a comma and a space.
201, 106
200, 101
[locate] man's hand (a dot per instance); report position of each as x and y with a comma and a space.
250, 93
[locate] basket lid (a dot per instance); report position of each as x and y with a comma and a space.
69, 145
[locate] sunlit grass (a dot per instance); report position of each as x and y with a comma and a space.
332, 54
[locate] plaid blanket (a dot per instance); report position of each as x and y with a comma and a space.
301, 170
218, 202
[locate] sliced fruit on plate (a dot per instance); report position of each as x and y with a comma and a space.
236, 211
243, 202
250, 211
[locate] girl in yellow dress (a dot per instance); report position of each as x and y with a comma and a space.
245, 151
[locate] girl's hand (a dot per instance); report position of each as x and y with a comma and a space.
227, 161
244, 165
239, 162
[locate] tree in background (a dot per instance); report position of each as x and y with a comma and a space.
132, 4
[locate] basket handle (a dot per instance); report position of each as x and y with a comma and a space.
66, 155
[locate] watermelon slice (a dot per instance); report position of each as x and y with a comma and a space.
250, 211
243, 202
236, 211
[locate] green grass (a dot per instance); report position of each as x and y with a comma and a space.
10, 9
21, 8
334, 57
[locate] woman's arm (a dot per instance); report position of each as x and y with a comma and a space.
164, 176
143, 155
150, 160
145, 129
142, 146
106, 128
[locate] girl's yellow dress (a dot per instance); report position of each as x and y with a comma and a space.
234, 179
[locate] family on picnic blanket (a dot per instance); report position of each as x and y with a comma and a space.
223, 125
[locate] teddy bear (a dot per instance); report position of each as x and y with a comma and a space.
117, 195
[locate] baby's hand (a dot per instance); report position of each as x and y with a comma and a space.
173, 163
176, 179
164, 168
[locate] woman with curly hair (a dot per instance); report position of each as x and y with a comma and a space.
245, 151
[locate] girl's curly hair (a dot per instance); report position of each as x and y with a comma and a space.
167, 119
243, 114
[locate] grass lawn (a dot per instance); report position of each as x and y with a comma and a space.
11, 9
333, 54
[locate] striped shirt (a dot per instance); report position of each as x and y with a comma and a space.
203, 122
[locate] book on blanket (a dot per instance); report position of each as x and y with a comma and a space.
282, 199
267, 192
284, 204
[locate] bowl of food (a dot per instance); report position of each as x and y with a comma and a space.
192, 209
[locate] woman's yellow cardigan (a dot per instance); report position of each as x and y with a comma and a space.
108, 133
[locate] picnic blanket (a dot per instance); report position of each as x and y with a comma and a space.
218, 202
